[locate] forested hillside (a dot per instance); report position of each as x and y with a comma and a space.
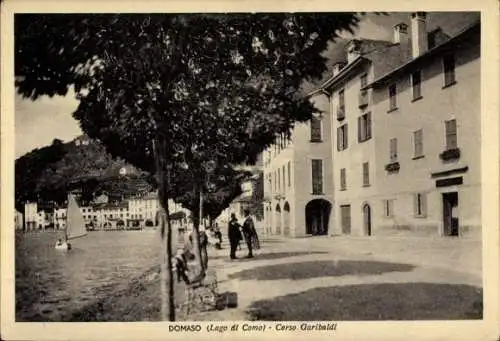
47, 173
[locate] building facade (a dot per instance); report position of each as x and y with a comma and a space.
427, 135
298, 184
399, 147
406, 122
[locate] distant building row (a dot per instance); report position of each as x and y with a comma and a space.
134, 212
397, 147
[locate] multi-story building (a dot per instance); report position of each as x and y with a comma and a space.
427, 138
18, 220
382, 116
298, 184
60, 215
31, 218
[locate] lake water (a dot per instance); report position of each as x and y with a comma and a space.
50, 284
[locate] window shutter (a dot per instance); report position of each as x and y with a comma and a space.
338, 138
360, 122
369, 125
423, 201
345, 136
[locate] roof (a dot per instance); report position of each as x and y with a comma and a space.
336, 53
402, 67
110, 206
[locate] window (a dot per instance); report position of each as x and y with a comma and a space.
388, 208
289, 174
279, 181
365, 127
416, 85
392, 97
315, 130
341, 99
342, 141
284, 179
341, 106
420, 205
363, 93
449, 69
275, 185
393, 150
345, 216
418, 144
343, 182
317, 176
366, 174
364, 80
270, 181
451, 134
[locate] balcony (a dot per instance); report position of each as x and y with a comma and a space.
340, 113
392, 167
363, 99
450, 154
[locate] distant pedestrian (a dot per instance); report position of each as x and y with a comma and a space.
250, 234
234, 235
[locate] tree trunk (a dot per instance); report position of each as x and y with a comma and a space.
196, 241
166, 276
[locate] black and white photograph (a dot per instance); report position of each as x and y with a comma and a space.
289, 170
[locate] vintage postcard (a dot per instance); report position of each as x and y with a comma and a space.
249, 170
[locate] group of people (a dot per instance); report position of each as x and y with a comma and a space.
237, 232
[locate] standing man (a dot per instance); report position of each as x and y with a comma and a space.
234, 235
249, 232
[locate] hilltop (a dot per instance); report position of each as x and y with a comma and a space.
47, 173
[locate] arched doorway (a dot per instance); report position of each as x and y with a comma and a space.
318, 217
367, 219
277, 219
286, 219
268, 220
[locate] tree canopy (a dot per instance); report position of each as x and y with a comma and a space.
215, 85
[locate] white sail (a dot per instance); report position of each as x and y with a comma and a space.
75, 226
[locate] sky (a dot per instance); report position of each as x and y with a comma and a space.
38, 123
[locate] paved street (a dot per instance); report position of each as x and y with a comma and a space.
413, 275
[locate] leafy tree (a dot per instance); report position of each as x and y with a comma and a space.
173, 93
30, 167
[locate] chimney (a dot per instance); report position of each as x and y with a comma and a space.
337, 67
400, 32
418, 33
353, 50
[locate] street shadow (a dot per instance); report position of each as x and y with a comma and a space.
268, 256
325, 268
405, 301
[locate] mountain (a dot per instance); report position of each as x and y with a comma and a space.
48, 173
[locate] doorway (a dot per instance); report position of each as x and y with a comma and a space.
367, 219
451, 227
345, 216
317, 217
277, 219
286, 219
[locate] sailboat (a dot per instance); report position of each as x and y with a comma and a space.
75, 225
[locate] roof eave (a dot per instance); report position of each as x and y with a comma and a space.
334, 79
427, 54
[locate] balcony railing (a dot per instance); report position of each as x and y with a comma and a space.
450, 154
392, 167
340, 112
363, 98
